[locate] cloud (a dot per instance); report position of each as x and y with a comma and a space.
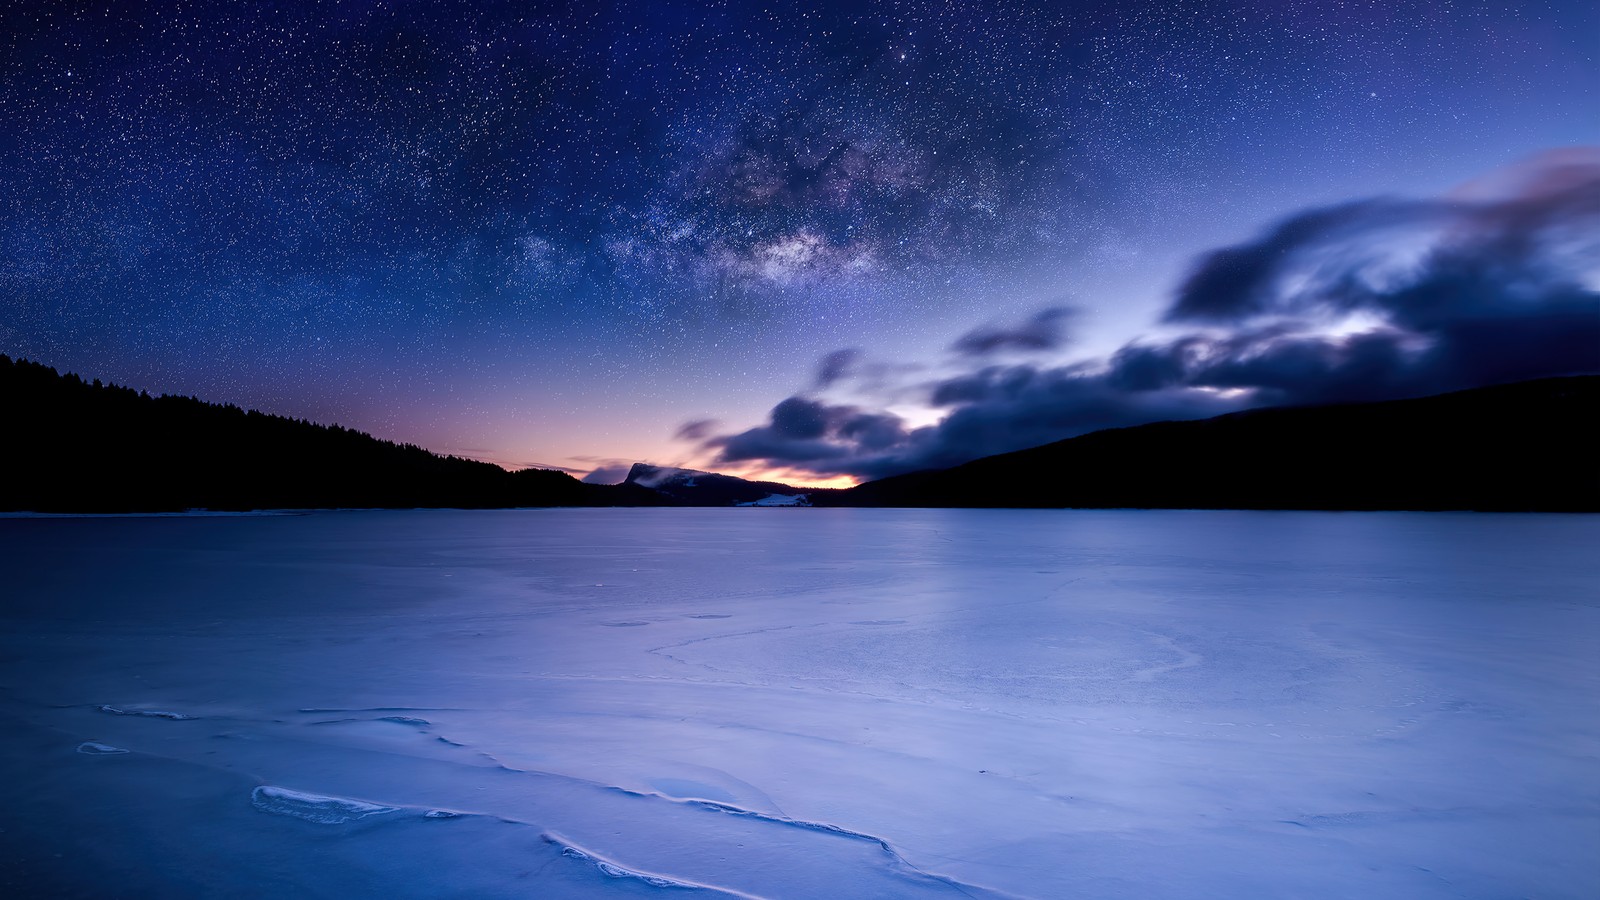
606, 475
696, 430
1504, 252
1277, 365
810, 434
1465, 292
601, 469
1235, 283
1044, 330
552, 467
1000, 409
836, 366
1362, 301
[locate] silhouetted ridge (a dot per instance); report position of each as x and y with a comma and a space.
76, 446
693, 487
1530, 446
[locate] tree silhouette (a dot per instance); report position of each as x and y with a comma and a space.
73, 446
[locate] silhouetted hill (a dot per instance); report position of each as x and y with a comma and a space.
691, 487
76, 446
1528, 446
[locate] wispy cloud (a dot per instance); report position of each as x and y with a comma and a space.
1044, 330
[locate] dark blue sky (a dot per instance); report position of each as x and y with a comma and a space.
554, 233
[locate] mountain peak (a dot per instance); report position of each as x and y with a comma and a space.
694, 487
650, 476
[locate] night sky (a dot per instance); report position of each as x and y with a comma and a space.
808, 240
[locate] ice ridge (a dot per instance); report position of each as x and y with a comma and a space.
313, 807
906, 866
150, 713
613, 869
784, 820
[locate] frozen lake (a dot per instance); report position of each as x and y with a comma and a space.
801, 703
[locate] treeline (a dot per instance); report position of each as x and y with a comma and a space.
74, 446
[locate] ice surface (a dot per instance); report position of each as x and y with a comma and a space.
684, 787
802, 703
779, 500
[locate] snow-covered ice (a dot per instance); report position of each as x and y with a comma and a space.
801, 703
780, 500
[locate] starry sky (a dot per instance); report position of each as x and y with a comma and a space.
819, 242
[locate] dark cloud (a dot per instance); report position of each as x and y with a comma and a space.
765, 444
1419, 263
1491, 290
1044, 330
1275, 366
872, 432
1001, 409
1363, 301
798, 418
1235, 283
835, 366
810, 434
696, 430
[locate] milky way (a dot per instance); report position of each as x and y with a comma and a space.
551, 234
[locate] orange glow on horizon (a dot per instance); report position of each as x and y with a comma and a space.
789, 476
